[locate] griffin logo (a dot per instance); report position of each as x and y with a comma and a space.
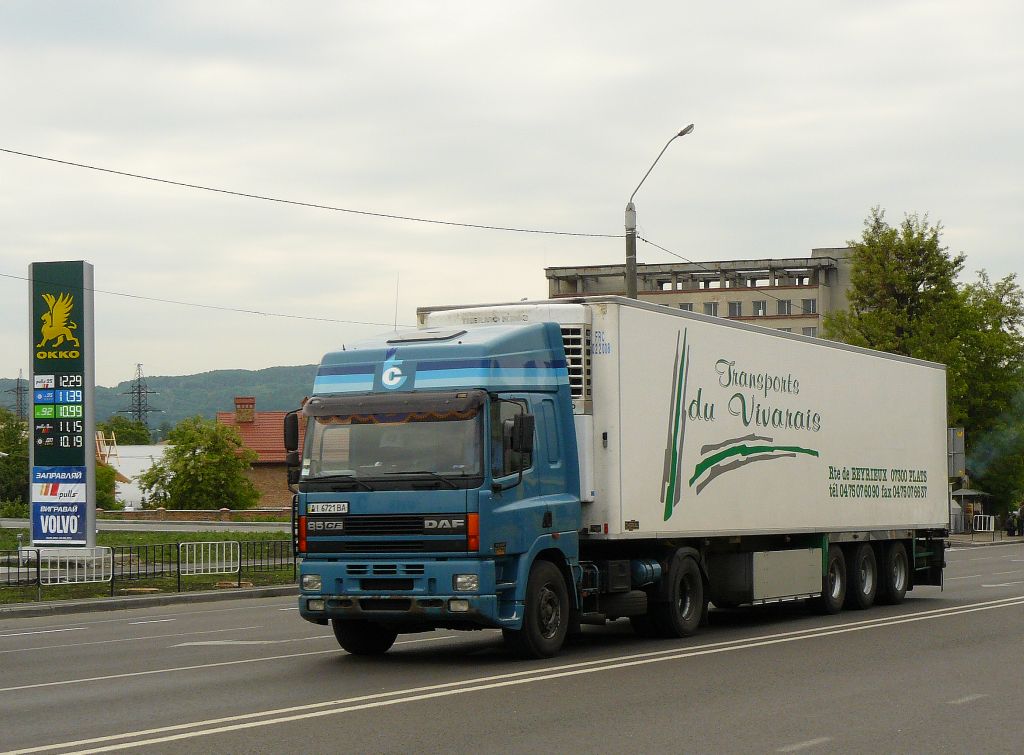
57, 326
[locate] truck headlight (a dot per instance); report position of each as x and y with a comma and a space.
317, 604
466, 582
312, 582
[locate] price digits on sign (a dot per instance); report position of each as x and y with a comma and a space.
60, 424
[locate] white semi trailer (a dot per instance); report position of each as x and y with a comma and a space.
673, 460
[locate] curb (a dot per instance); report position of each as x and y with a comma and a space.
91, 605
958, 543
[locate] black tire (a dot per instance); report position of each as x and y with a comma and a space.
360, 637
862, 577
681, 615
546, 617
894, 576
833, 583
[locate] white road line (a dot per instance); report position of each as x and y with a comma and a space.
481, 684
41, 631
969, 576
963, 700
1000, 573
805, 745
293, 608
1006, 584
126, 639
150, 621
223, 643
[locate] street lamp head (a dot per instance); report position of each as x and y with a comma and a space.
685, 131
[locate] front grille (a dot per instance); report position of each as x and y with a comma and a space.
359, 570
323, 545
384, 525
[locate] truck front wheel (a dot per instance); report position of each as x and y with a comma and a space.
360, 637
546, 615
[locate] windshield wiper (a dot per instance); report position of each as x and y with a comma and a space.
337, 477
435, 475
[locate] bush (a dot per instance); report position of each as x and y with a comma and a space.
13, 510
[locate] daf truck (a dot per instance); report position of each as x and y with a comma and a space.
537, 466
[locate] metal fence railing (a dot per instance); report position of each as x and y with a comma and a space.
128, 564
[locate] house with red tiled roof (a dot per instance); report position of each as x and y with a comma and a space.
262, 432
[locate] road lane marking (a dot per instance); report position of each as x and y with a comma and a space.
41, 631
223, 643
968, 699
126, 639
1000, 573
149, 621
969, 576
1006, 584
805, 745
292, 608
481, 684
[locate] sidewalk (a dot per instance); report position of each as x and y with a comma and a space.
88, 605
965, 539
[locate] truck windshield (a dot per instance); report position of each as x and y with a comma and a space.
348, 437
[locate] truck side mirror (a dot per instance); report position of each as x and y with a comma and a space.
291, 432
521, 441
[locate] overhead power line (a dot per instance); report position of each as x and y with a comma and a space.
218, 307
313, 205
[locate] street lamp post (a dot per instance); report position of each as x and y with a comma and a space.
631, 220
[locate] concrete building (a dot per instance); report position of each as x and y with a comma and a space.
786, 294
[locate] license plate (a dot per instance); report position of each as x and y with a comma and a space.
334, 507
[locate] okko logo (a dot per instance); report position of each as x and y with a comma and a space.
391, 374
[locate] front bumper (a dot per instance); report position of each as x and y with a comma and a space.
404, 594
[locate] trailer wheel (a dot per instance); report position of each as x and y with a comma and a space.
360, 637
681, 615
546, 618
895, 574
862, 573
833, 583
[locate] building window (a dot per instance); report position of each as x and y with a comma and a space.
760, 308
812, 332
810, 306
785, 307
786, 330
711, 308
686, 307
735, 309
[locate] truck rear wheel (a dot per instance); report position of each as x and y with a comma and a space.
681, 615
546, 616
360, 637
833, 582
862, 573
894, 574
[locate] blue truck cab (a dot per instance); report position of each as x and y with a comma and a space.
439, 488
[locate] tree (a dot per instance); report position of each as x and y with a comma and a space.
905, 299
106, 487
14, 462
129, 432
204, 468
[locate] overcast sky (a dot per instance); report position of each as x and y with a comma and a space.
527, 114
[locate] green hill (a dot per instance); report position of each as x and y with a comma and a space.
205, 394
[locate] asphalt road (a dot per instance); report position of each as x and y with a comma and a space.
941, 673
